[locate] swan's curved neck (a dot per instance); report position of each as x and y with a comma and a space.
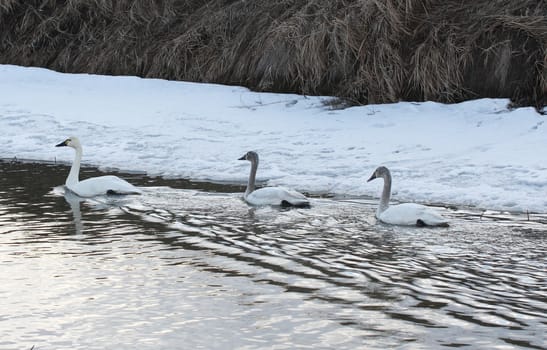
386, 194
75, 168
252, 177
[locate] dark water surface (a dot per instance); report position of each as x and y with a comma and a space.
190, 266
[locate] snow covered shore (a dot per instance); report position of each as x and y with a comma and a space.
475, 153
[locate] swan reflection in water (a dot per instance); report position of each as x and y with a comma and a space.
102, 203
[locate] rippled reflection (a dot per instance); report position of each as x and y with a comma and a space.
203, 269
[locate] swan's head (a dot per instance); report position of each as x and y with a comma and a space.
70, 142
251, 156
381, 171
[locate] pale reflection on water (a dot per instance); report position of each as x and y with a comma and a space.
192, 268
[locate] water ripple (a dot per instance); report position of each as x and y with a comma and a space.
204, 269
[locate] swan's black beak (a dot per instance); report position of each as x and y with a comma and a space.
64, 143
242, 158
372, 177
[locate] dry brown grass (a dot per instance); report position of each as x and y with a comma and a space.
364, 51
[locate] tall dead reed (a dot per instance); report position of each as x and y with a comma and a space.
364, 51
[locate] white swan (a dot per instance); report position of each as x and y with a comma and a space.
94, 186
270, 195
409, 214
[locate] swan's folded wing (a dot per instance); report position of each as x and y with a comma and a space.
296, 198
433, 218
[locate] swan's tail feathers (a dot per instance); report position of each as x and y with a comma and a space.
295, 204
421, 223
121, 193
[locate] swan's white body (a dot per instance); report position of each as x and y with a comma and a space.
278, 196
407, 214
94, 186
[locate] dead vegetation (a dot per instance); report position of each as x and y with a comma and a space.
364, 51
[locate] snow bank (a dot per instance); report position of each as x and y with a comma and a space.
475, 153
